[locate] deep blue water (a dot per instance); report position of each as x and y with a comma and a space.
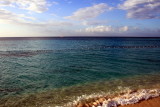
29, 65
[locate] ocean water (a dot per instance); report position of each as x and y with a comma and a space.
54, 71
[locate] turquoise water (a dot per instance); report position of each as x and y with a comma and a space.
45, 65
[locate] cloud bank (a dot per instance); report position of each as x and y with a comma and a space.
108, 29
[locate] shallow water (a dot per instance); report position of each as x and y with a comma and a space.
52, 71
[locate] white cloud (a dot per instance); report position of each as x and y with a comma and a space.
29, 27
124, 29
8, 16
21, 19
104, 29
112, 31
99, 29
89, 12
141, 9
49, 24
38, 6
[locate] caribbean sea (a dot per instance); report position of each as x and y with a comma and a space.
54, 71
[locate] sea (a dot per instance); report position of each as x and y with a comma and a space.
50, 72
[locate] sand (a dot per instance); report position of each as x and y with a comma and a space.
154, 102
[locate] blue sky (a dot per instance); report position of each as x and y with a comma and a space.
20, 18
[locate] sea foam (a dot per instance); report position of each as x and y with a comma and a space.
130, 97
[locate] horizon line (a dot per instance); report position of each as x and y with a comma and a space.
82, 37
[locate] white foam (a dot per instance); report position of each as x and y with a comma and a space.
83, 97
125, 99
131, 98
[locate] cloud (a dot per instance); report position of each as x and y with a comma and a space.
89, 12
29, 26
21, 19
38, 6
141, 9
121, 31
124, 29
50, 24
99, 29
103, 29
8, 16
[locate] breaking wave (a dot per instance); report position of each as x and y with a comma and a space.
125, 97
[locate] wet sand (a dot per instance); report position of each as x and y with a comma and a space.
154, 102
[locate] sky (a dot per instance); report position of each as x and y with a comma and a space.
61, 18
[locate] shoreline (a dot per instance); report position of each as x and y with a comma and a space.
125, 98
132, 98
154, 102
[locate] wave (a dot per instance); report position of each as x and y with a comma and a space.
106, 100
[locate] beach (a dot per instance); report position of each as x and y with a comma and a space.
154, 102
139, 98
